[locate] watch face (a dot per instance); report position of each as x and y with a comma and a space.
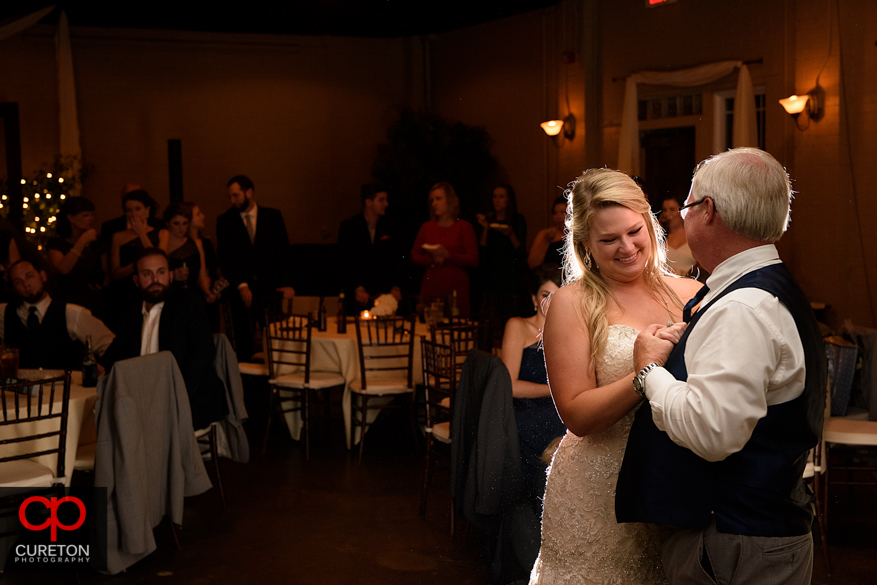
638, 385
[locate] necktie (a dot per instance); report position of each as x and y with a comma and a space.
33, 320
248, 219
686, 312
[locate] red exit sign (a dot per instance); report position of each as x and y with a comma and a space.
653, 3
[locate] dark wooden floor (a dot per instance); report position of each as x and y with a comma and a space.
329, 520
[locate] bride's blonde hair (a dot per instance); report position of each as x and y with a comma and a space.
594, 190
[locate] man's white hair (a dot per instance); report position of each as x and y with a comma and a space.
750, 190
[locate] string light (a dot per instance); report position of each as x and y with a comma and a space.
24, 206
60, 179
42, 229
49, 196
25, 199
62, 197
48, 175
4, 198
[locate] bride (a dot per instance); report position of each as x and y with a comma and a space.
617, 285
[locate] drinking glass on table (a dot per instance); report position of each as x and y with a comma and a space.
8, 362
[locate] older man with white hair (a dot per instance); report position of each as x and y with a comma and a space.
719, 447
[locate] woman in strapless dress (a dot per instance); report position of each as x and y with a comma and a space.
617, 284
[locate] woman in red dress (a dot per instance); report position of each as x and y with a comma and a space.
447, 246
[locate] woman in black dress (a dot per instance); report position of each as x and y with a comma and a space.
185, 255
548, 245
535, 414
502, 238
75, 254
124, 248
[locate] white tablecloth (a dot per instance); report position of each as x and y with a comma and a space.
338, 353
81, 414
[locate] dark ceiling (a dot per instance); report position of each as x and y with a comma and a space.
361, 18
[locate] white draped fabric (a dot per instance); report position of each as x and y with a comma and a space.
745, 129
628, 142
68, 119
13, 28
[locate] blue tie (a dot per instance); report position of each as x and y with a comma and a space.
686, 312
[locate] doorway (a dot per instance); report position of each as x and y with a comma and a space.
669, 163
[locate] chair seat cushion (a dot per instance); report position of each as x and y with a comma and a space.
442, 432
850, 432
253, 369
85, 457
25, 473
445, 402
318, 380
382, 386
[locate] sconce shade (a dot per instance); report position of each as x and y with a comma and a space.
794, 104
552, 127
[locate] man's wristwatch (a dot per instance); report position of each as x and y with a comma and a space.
639, 381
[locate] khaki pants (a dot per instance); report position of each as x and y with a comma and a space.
710, 557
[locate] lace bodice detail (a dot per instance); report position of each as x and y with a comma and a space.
581, 541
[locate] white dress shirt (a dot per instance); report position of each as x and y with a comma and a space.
80, 323
743, 355
149, 332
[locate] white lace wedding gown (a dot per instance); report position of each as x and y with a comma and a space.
581, 541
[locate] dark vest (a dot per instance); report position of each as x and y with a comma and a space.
758, 491
50, 346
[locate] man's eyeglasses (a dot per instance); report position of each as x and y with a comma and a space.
683, 211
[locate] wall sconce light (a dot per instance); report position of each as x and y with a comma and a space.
812, 102
553, 127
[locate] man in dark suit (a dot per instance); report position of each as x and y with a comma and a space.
253, 250
368, 247
174, 320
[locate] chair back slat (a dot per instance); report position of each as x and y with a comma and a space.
385, 344
439, 380
461, 337
32, 400
289, 344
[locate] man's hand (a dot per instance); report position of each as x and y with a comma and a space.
655, 343
288, 292
246, 296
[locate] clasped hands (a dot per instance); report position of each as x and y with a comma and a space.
655, 342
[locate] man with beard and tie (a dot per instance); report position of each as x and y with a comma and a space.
174, 320
48, 333
253, 251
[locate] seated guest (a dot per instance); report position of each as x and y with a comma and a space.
368, 247
173, 320
48, 334
75, 254
535, 414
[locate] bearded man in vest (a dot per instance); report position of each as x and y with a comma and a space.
48, 333
719, 446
